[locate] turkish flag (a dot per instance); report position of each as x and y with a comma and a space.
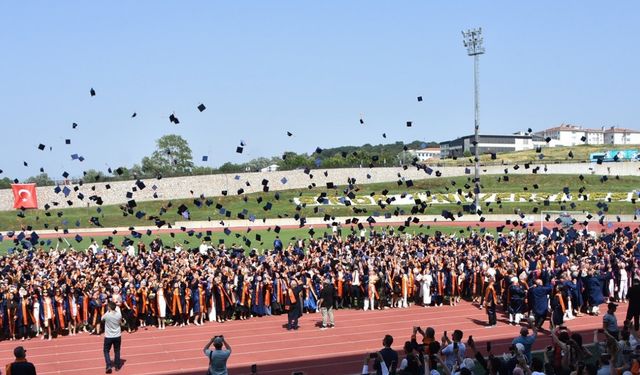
24, 196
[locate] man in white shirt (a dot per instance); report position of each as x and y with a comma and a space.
454, 349
112, 337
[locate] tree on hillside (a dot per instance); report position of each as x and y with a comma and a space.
42, 179
5, 183
171, 157
91, 175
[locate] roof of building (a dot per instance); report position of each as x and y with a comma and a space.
430, 149
490, 135
613, 129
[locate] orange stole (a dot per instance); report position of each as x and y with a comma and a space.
201, 294
25, 314
60, 311
340, 288
561, 301
176, 306
491, 292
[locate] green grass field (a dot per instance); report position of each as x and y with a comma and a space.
259, 239
113, 216
551, 154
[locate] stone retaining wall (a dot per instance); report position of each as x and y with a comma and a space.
213, 185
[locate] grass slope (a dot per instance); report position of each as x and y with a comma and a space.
259, 239
114, 216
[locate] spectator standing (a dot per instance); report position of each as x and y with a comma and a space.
527, 341
389, 356
610, 322
218, 357
326, 304
20, 366
112, 336
452, 349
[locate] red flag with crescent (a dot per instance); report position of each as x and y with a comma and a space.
24, 196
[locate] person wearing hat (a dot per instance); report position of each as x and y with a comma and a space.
217, 358
610, 322
633, 308
20, 366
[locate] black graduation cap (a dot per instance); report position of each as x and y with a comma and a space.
41, 147
361, 121
65, 174
276, 229
205, 158
67, 141
134, 115
548, 139
583, 138
409, 123
239, 150
174, 119
538, 149
92, 92
289, 134
493, 156
74, 125
529, 130
201, 107
419, 98
570, 154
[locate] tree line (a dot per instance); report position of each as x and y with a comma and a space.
173, 157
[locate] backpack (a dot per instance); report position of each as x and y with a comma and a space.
210, 360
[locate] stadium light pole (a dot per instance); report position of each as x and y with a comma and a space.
472, 40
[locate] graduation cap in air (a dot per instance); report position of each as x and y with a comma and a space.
419, 98
201, 107
239, 150
289, 134
583, 138
361, 121
134, 115
409, 124
493, 156
570, 154
74, 125
174, 119
92, 92
205, 158
67, 141
41, 147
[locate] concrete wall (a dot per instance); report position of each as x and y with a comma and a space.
213, 185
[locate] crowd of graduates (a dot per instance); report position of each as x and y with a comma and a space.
50, 292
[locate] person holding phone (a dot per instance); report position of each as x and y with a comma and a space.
218, 357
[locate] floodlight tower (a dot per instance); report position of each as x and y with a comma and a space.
472, 40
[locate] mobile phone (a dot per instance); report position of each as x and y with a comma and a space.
373, 355
455, 346
254, 368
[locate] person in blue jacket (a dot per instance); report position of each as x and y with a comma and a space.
539, 295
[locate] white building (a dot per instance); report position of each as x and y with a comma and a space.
426, 153
621, 136
572, 135
271, 168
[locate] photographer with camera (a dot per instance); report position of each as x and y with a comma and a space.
379, 361
217, 358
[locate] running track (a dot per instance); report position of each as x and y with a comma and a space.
265, 342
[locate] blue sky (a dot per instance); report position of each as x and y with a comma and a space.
266, 67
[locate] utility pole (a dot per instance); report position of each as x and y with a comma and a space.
472, 40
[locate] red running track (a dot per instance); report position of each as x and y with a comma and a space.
265, 342
593, 226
